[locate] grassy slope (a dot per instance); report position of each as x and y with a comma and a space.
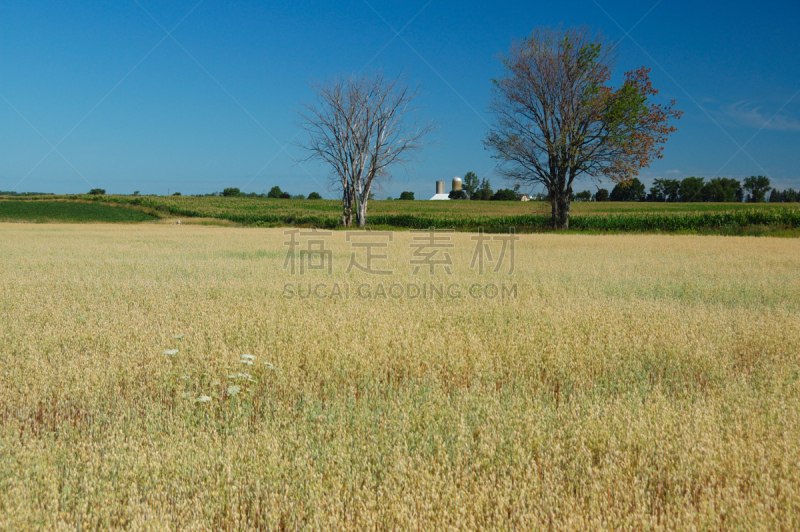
68, 211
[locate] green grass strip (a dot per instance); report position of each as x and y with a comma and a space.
68, 211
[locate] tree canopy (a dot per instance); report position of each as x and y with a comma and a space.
632, 190
361, 126
757, 187
556, 117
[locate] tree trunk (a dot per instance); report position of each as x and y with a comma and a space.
347, 208
559, 202
346, 213
362, 213
554, 207
563, 212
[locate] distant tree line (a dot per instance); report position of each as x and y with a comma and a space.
601, 195
690, 189
787, 196
274, 193
482, 189
753, 189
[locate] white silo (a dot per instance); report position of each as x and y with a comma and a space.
440, 193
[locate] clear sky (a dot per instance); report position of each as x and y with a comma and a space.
195, 97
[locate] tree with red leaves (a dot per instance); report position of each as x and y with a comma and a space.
556, 118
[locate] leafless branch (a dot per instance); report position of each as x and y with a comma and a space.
362, 126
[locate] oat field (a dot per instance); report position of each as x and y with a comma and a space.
160, 377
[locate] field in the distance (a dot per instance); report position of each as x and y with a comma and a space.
781, 219
637, 381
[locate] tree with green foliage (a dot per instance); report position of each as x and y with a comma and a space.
458, 195
721, 190
275, 192
470, 184
286, 195
504, 194
757, 186
135, 192
628, 191
583, 196
601, 195
98, 192
484, 192
556, 117
692, 189
665, 190
231, 192
405, 195
314, 195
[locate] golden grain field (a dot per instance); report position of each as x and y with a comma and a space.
634, 382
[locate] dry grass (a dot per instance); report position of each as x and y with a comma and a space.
646, 382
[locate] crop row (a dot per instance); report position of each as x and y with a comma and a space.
784, 218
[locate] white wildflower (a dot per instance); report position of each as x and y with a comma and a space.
233, 390
245, 376
171, 352
248, 357
202, 399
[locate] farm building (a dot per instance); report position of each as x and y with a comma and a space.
440, 195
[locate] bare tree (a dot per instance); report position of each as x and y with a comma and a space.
361, 126
556, 119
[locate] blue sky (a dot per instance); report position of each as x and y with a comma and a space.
129, 107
